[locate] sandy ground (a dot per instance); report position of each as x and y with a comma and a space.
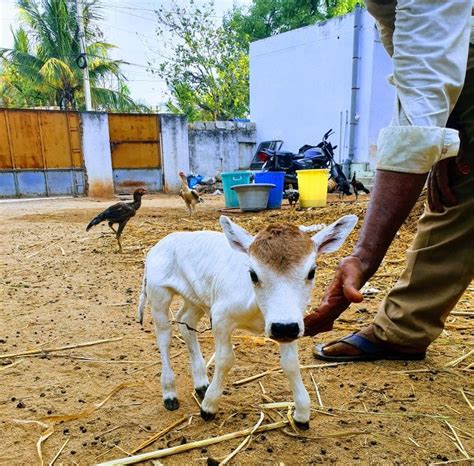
62, 286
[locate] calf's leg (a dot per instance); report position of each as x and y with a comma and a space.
160, 300
191, 315
291, 367
225, 359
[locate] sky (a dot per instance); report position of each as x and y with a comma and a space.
130, 26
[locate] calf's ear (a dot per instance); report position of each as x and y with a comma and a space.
332, 237
238, 238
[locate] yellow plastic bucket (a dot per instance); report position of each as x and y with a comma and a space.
313, 187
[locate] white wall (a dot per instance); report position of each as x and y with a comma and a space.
96, 152
174, 150
301, 81
220, 146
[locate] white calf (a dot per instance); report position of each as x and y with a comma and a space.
262, 284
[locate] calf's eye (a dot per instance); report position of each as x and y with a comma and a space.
253, 276
311, 273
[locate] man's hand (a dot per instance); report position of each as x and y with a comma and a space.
390, 203
343, 291
440, 180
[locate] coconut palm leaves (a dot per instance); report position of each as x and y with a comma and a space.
43, 66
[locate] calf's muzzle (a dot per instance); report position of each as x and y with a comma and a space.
285, 331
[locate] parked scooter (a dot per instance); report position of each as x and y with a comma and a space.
308, 157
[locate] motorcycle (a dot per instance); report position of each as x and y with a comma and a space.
308, 157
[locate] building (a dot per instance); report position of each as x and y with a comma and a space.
329, 75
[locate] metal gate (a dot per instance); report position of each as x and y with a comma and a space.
136, 153
40, 153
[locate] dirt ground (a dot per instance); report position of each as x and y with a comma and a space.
62, 286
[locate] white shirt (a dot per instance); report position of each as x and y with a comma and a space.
428, 41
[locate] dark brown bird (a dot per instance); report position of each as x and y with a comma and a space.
358, 186
119, 213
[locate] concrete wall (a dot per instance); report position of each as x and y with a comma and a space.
300, 82
300, 85
96, 152
212, 147
220, 146
126, 180
40, 183
174, 150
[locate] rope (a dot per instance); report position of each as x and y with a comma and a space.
191, 328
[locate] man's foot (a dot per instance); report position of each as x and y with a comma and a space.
365, 346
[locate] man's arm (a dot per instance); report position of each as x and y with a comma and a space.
391, 201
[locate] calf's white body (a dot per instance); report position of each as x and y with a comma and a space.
210, 271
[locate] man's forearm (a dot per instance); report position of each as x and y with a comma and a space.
391, 201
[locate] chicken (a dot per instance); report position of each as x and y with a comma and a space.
343, 188
292, 195
358, 186
119, 213
190, 196
332, 185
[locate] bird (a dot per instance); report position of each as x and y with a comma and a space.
189, 196
332, 185
292, 195
343, 187
119, 213
358, 186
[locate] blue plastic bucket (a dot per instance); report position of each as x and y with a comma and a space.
230, 179
276, 194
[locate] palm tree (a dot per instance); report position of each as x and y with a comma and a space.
44, 64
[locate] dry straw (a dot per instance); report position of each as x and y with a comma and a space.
56, 456
159, 434
9, 366
44, 436
88, 411
457, 442
277, 370
467, 399
245, 442
59, 348
456, 361
192, 445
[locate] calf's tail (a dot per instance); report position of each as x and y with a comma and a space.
142, 301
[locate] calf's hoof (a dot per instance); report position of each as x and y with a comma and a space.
171, 404
207, 416
201, 391
302, 425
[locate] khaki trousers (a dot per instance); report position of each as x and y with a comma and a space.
440, 264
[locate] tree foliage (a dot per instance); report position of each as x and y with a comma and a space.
42, 67
205, 64
264, 18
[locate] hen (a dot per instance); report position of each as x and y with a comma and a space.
119, 213
332, 185
189, 196
292, 195
358, 186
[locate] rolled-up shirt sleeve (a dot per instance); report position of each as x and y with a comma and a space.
415, 149
430, 42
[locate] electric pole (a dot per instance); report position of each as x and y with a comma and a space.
82, 44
